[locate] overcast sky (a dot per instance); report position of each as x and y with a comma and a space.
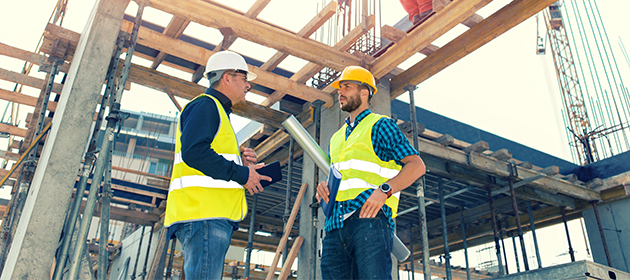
503, 87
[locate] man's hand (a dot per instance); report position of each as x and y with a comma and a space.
322, 192
253, 182
249, 156
373, 204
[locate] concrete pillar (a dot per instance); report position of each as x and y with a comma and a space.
616, 225
37, 236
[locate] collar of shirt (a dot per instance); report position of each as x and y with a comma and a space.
225, 101
357, 120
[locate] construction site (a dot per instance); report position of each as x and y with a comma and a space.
86, 168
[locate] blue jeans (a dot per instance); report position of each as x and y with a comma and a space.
360, 250
205, 244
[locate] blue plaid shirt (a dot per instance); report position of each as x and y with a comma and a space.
389, 144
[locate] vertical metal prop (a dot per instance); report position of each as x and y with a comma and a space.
514, 174
495, 230
106, 196
504, 253
314, 204
250, 237
171, 256
518, 266
566, 228
601, 232
135, 265
411, 260
287, 199
112, 120
146, 256
424, 236
447, 253
533, 227
465, 244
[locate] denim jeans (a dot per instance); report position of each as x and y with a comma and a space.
205, 244
360, 250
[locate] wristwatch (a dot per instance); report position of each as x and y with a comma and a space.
386, 188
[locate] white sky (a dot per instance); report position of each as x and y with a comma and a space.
503, 88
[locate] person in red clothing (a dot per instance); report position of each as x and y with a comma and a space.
417, 9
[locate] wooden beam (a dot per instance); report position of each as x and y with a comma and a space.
257, 32
395, 35
306, 31
13, 130
24, 99
310, 68
419, 38
174, 29
127, 215
26, 80
477, 36
253, 12
31, 57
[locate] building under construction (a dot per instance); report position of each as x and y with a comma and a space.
90, 180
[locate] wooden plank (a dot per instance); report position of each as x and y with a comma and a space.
286, 267
257, 32
395, 35
9, 156
252, 13
13, 130
477, 36
291, 87
287, 231
472, 20
174, 29
306, 31
127, 215
310, 68
31, 57
24, 99
26, 80
419, 38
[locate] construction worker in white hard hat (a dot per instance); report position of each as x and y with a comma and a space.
376, 162
206, 197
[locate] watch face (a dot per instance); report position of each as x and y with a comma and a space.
385, 187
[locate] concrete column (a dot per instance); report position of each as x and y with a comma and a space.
37, 235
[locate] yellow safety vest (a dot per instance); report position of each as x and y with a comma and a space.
193, 196
360, 166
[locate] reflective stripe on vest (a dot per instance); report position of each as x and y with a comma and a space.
360, 166
193, 196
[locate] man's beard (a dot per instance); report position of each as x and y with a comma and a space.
352, 103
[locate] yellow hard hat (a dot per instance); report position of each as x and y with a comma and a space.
356, 74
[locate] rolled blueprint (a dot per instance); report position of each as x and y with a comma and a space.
321, 159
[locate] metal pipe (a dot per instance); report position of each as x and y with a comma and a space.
308, 144
504, 253
533, 227
447, 254
411, 261
314, 204
601, 232
287, 199
146, 256
465, 244
250, 238
514, 174
103, 255
566, 229
135, 265
497, 245
424, 238
518, 266
171, 256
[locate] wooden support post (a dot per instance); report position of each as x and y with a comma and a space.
287, 231
286, 268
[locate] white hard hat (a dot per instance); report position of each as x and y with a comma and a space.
227, 60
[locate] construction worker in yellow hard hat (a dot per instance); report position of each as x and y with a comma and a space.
376, 162
206, 197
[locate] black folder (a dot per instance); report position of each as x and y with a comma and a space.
273, 170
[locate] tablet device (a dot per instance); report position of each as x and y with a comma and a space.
272, 170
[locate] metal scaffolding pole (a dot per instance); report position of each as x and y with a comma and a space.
447, 254
566, 229
465, 243
135, 265
146, 256
504, 253
514, 174
411, 260
601, 232
533, 227
171, 256
495, 230
424, 236
287, 199
314, 204
106, 196
250, 237
518, 265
